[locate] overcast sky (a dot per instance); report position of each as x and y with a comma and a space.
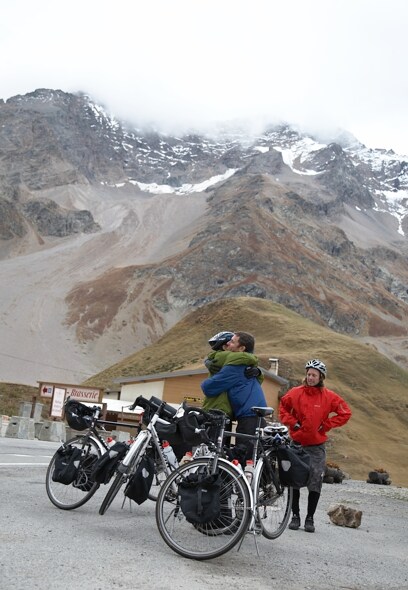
184, 64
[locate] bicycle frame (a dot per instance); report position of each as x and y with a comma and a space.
139, 446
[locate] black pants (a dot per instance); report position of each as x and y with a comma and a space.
244, 448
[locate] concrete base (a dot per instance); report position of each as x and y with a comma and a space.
21, 427
37, 428
52, 431
5, 421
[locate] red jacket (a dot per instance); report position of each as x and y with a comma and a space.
312, 408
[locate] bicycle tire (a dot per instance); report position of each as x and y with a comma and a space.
208, 540
76, 494
113, 491
273, 509
161, 473
130, 464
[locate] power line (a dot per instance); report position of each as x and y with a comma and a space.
18, 358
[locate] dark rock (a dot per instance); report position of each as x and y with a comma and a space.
342, 515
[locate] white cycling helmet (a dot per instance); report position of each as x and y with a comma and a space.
316, 364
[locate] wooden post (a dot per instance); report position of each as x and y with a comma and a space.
33, 403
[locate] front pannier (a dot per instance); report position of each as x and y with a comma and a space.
138, 486
200, 497
105, 466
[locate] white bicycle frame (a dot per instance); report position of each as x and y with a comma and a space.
140, 444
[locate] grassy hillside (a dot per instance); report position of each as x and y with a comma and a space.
375, 388
11, 396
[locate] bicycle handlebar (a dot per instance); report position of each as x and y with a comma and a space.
156, 405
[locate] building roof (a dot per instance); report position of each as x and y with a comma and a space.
187, 373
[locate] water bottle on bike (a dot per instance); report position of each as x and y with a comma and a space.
169, 454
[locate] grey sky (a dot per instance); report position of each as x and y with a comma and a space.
187, 63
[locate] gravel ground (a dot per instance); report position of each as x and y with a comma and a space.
41, 546
372, 556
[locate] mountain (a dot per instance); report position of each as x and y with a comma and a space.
110, 234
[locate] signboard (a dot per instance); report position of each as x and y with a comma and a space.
57, 403
81, 393
46, 390
85, 394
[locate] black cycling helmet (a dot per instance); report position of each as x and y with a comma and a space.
217, 341
79, 416
316, 364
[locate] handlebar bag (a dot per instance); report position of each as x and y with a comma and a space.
138, 486
66, 464
187, 426
200, 497
294, 466
169, 432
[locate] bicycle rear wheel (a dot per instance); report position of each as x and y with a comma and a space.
77, 493
210, 539
273, 502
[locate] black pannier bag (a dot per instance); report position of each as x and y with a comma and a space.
66, 464
138, 486
200, 497
294, 466
105, 466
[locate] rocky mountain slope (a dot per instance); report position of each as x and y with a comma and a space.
109, 235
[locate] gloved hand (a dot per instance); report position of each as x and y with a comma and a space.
211, 366
252, 372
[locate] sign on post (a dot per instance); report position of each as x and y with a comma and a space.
57, 403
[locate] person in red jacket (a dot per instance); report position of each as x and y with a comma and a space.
310, 411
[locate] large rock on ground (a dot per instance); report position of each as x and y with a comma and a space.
342, 515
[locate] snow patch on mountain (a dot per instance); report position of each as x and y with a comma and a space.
184, 189
395, 203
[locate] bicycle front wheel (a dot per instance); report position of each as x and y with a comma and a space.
273, 502
126, 469
209, 539
161, 473
113, 491
77, 493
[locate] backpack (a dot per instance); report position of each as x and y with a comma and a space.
200, 497
105, 466
294, 466
66, 464
138, 486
